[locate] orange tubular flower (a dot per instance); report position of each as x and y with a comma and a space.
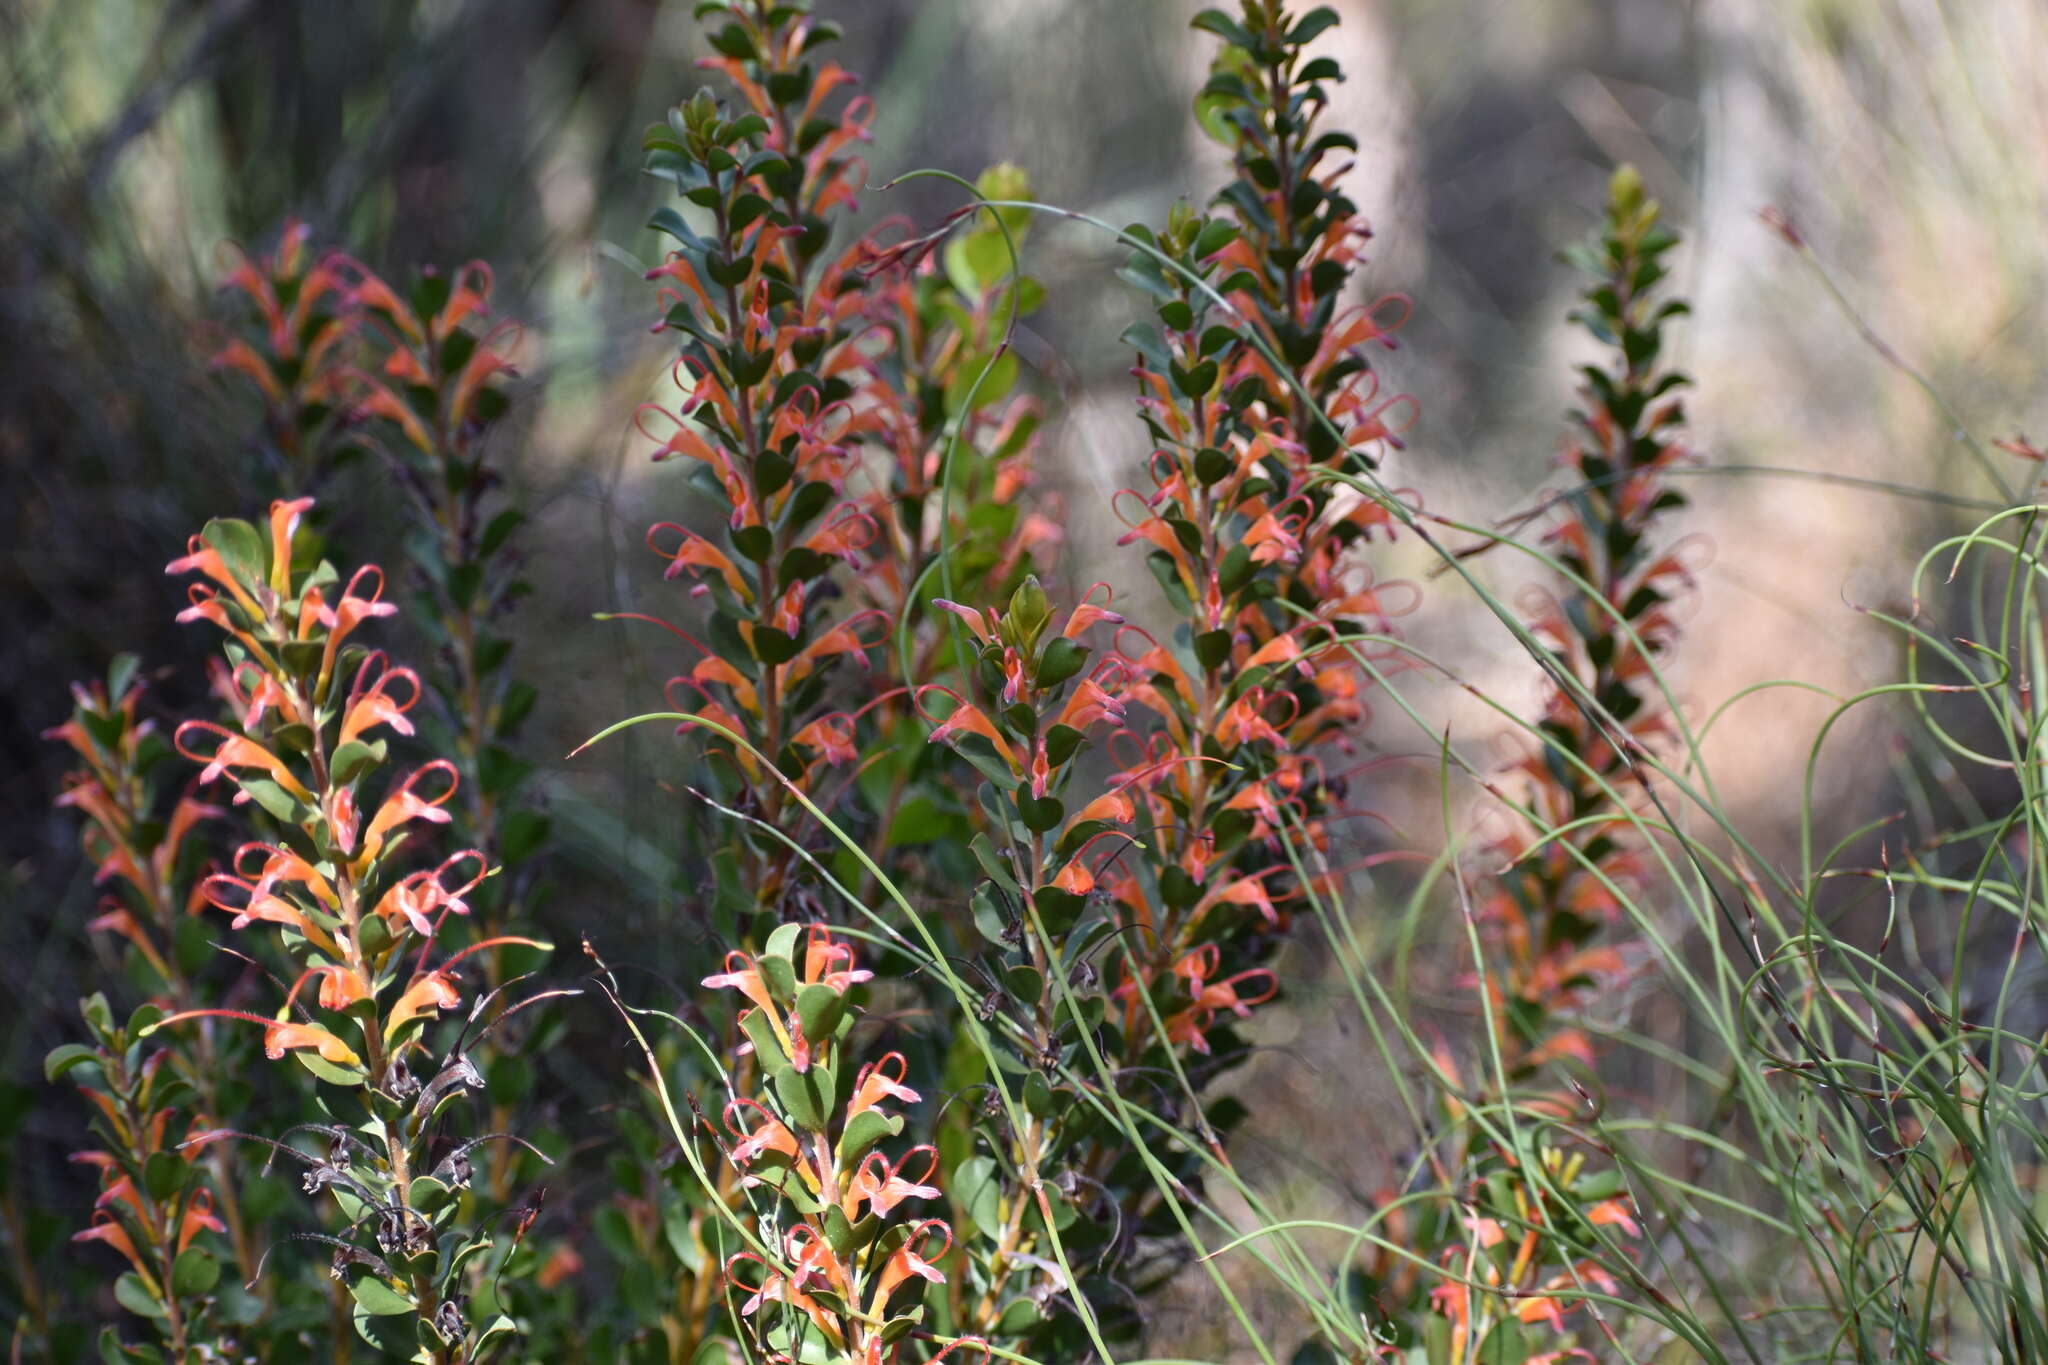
882, 1185
279, 1035
232, 751
874, 1084
428, 995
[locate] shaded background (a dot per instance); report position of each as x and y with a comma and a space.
1907, 139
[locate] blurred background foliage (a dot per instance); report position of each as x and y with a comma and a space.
1907, 140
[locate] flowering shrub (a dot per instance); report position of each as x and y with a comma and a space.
1259, 547
1519, 1241
845, 412
154, 1201
1130, 929
770, 315
144, 842
357, 912
299, 352
1603, 632
845, 1248
344, 363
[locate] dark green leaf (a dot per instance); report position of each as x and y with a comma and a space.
806, 1096
132, 1294
240, 547
63, 1059
819, 1008
1062, 659
194, 1272
772, 646
352, 758
1223, 26
164, 1175
378, 1298
1215, 235
978, 1191
734, 41
1312, 24
1040, 813
863, 1131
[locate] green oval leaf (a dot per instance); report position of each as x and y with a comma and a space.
194, 1272
378, 1298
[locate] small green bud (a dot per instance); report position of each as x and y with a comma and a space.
1028, 613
